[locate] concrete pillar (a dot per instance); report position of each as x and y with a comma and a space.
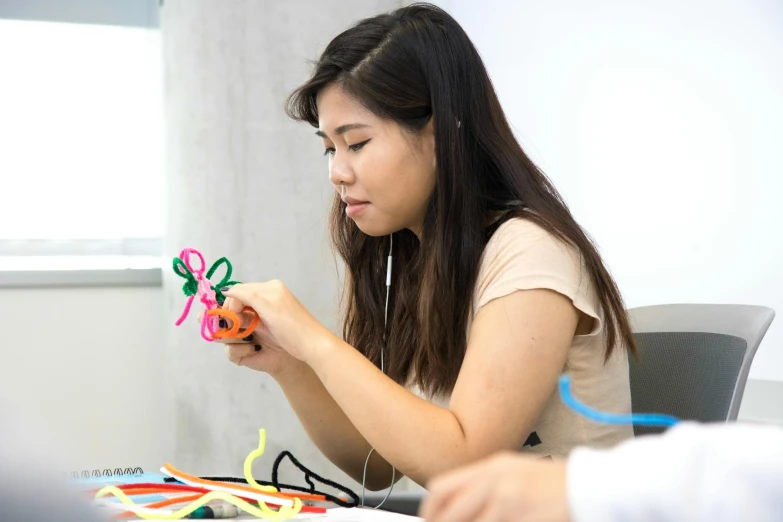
245, 182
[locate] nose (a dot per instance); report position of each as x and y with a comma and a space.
340, 172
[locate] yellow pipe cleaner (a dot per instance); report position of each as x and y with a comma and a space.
253, 455
262, 511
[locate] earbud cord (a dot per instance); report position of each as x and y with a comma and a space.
385, 322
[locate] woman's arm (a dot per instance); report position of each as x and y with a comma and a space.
323, 420
331, 430
515, 354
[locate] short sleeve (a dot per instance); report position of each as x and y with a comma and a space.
521, 255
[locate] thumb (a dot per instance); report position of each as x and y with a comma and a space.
241, 292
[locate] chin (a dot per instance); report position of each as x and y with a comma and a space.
374, 229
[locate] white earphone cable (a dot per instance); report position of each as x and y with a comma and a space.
385, 323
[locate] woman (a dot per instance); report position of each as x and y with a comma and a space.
495, 289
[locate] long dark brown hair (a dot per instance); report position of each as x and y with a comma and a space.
410, 66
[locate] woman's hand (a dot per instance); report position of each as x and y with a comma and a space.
285, 324
502, 488
250, 352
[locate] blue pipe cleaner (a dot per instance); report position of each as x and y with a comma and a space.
640, 419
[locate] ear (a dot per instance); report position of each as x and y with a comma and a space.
428, 140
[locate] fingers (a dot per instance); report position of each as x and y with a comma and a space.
463, 505
457, 499
239, 293
248, 321
461, 494
235, 339
247, 332
246, 314
454, 480
251, 293
236, 353
491, 513
441, 492
233, 305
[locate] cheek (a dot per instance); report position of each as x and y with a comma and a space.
396, 179
419, 179
378, 174
408, 193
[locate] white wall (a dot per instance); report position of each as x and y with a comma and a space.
246, 182
662, 124
86, 363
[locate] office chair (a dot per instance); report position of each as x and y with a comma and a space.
694, 359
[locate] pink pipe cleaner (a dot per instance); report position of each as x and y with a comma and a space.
209, 324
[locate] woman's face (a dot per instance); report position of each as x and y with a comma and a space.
384, 173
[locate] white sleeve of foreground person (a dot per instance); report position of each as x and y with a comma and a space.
716, 472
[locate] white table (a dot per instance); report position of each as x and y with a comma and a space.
348, 515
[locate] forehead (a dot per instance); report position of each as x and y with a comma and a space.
336, 107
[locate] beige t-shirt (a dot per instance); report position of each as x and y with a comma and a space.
523, 256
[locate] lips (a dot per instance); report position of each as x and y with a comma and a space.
354, 209
352, 201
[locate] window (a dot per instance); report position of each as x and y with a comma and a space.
81, 145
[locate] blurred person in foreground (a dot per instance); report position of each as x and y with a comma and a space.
32, 487
715, 472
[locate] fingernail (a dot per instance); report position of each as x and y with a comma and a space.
257, 347
223, 323
248, 338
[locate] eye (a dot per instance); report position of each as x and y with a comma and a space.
358, 146
329, 151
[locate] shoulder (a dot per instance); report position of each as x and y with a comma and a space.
523, 255
522, 245
519, 225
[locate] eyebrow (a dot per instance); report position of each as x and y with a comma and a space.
342, 129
